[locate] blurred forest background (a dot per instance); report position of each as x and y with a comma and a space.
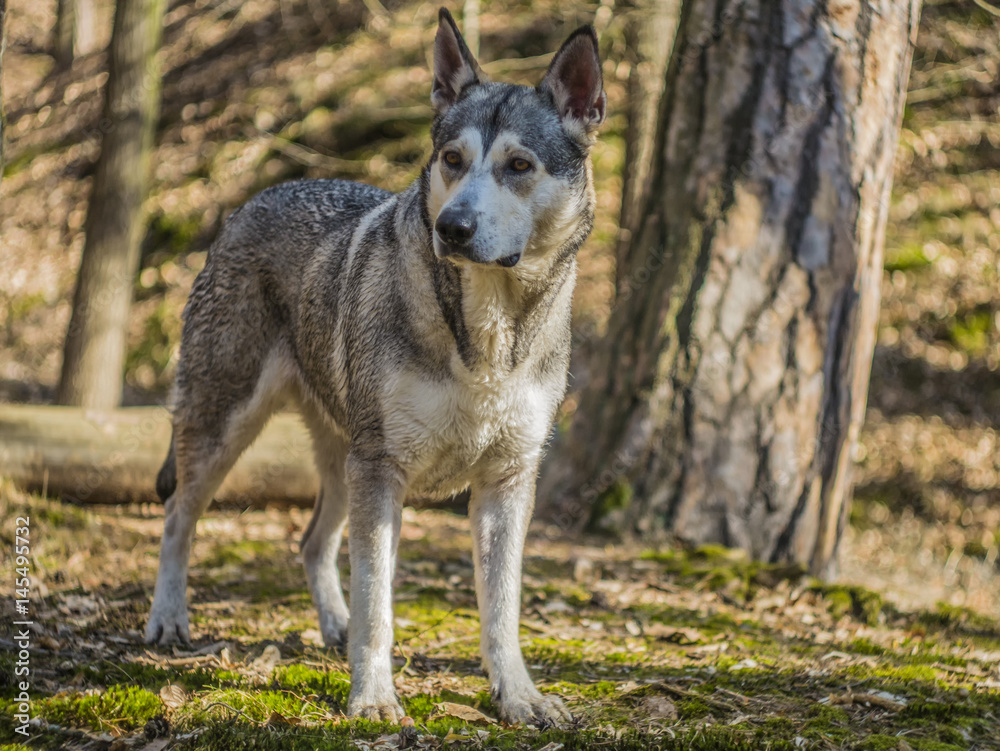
701, 648
263, 91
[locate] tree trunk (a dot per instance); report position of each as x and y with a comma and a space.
113, 457
650, 35
86, 27
75, 31
95, 343
724, 403
64, 41
3, 44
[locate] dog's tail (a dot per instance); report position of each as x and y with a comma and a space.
166, 480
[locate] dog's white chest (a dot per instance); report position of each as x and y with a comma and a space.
441, 429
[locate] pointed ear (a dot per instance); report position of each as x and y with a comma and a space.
454, 66
575, 82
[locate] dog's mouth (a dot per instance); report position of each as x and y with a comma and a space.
509, 261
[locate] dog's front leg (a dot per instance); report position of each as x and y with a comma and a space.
375, 495
500, 514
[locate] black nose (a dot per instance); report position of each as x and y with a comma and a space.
456, 225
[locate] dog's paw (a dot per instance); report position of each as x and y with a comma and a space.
334, 631
167, 628
530, 707
387, 710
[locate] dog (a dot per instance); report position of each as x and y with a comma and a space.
425, 338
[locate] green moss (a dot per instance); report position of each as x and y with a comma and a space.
241, 552
826, 723
905, 257
879, 742
970, 332
64, 516
692, 709
123, 707
923, 744
258, 705
333, 686
953, 617
618, 497
172, 233
150, 676
858, 602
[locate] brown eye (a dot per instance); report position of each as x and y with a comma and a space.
453, 158
520, 165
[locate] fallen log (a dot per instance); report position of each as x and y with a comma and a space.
113, 457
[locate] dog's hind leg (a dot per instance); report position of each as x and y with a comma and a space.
321, 541
210, 433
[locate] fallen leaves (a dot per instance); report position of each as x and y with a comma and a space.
461, 712
173, 696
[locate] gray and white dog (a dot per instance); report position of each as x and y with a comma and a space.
425, 337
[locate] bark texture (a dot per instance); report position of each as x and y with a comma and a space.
95, 343
650, 32
3, 43
724, 403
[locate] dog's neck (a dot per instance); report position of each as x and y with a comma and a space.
497, 316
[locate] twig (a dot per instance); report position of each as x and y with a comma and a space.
877, 701
987, 7
232, 709
311, 158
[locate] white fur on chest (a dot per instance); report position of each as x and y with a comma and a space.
445, 431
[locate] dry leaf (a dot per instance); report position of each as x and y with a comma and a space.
277, 719
462, 712
173, 695
657, 707
267, 661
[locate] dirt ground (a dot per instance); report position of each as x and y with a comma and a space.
650, 649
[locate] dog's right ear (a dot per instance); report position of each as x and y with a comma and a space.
454, 66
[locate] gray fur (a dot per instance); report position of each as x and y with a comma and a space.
421, 367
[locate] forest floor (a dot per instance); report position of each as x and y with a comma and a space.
651, 650
261, 91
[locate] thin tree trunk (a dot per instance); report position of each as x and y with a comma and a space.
725, 401
95, 343
64, 42
650, 36
75, 32
470, 26
3, 44
86, 27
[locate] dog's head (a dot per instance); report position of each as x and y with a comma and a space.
509, 181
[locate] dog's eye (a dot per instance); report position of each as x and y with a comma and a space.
520, 165
453, 158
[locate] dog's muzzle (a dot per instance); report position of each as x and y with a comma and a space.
456, 229
456, 226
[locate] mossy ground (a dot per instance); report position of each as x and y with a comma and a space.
696, 649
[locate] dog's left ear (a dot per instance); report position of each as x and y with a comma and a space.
575, 82
454, 66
